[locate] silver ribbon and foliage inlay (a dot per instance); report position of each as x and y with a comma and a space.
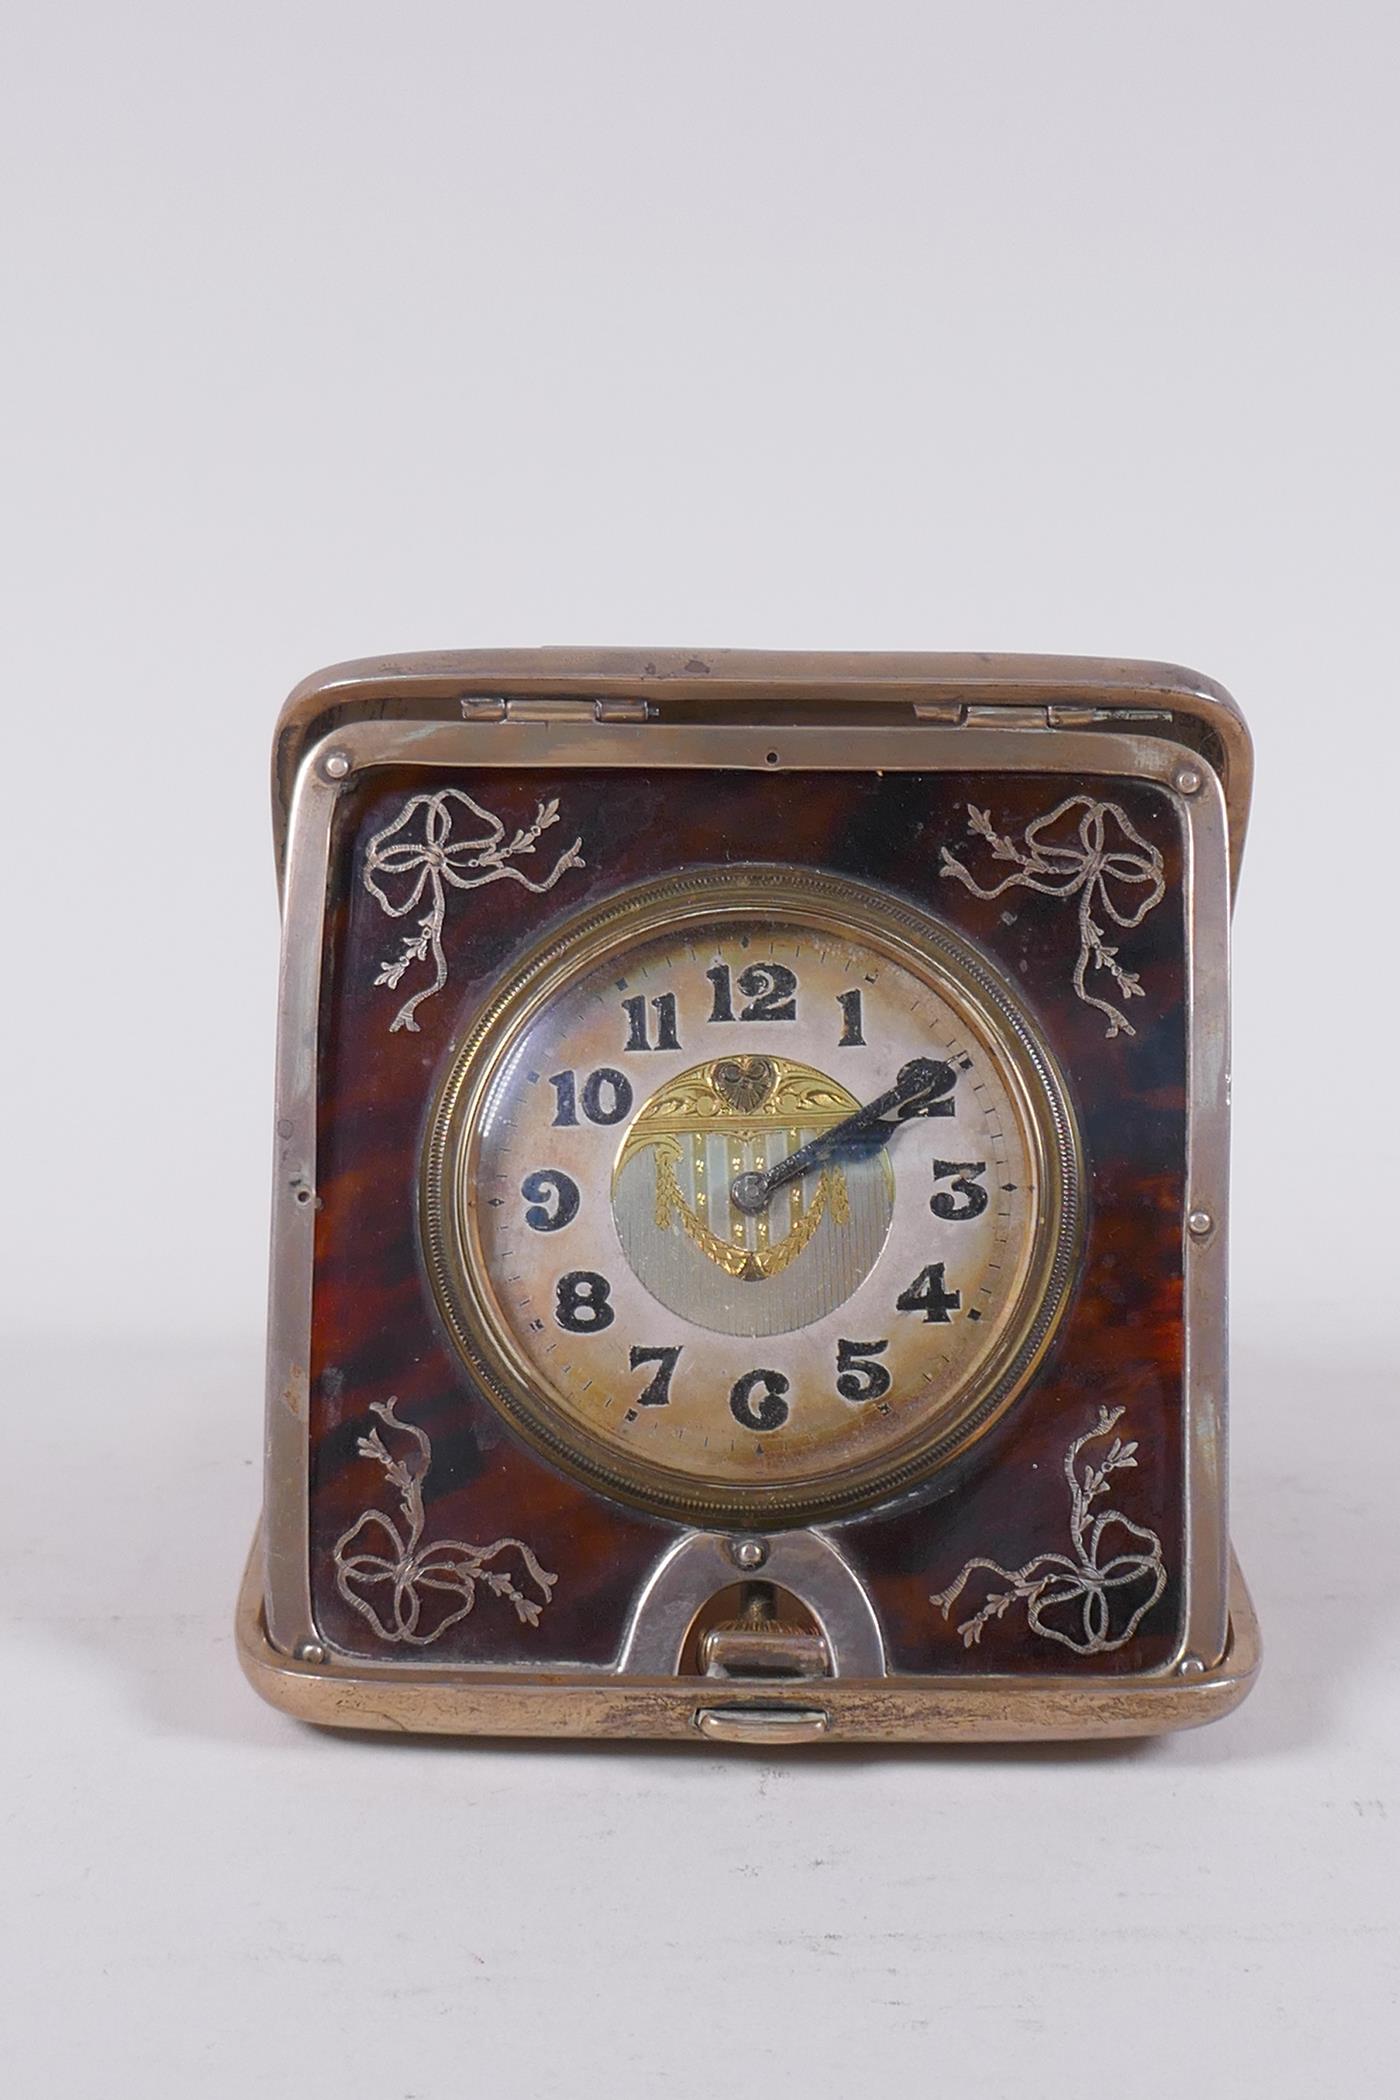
418, 858
1102, 860
412, 1592
1079, 1598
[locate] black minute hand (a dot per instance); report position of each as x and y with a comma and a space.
924, 1081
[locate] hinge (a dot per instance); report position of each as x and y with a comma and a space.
970, 714
548, 707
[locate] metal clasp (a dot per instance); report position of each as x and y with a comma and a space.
762, 1724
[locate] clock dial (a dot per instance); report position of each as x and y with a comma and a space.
755, 1198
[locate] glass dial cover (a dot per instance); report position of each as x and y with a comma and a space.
889, 1280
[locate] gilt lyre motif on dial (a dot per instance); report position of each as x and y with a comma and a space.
754, 1198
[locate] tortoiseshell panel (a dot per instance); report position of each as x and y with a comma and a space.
375, 1334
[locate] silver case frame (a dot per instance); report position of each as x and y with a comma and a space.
281, 1646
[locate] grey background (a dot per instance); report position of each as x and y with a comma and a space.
342, 329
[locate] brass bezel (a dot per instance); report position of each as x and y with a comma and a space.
903, 932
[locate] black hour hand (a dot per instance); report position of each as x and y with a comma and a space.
923, 1087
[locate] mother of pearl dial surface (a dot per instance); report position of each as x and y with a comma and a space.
795, 1356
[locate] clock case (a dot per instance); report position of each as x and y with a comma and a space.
419, 1567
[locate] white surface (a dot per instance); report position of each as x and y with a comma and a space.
334, 329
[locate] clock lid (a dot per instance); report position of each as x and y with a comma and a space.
885, 688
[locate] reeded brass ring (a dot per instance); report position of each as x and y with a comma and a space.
927, 947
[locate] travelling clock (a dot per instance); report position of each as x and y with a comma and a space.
749, 1210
